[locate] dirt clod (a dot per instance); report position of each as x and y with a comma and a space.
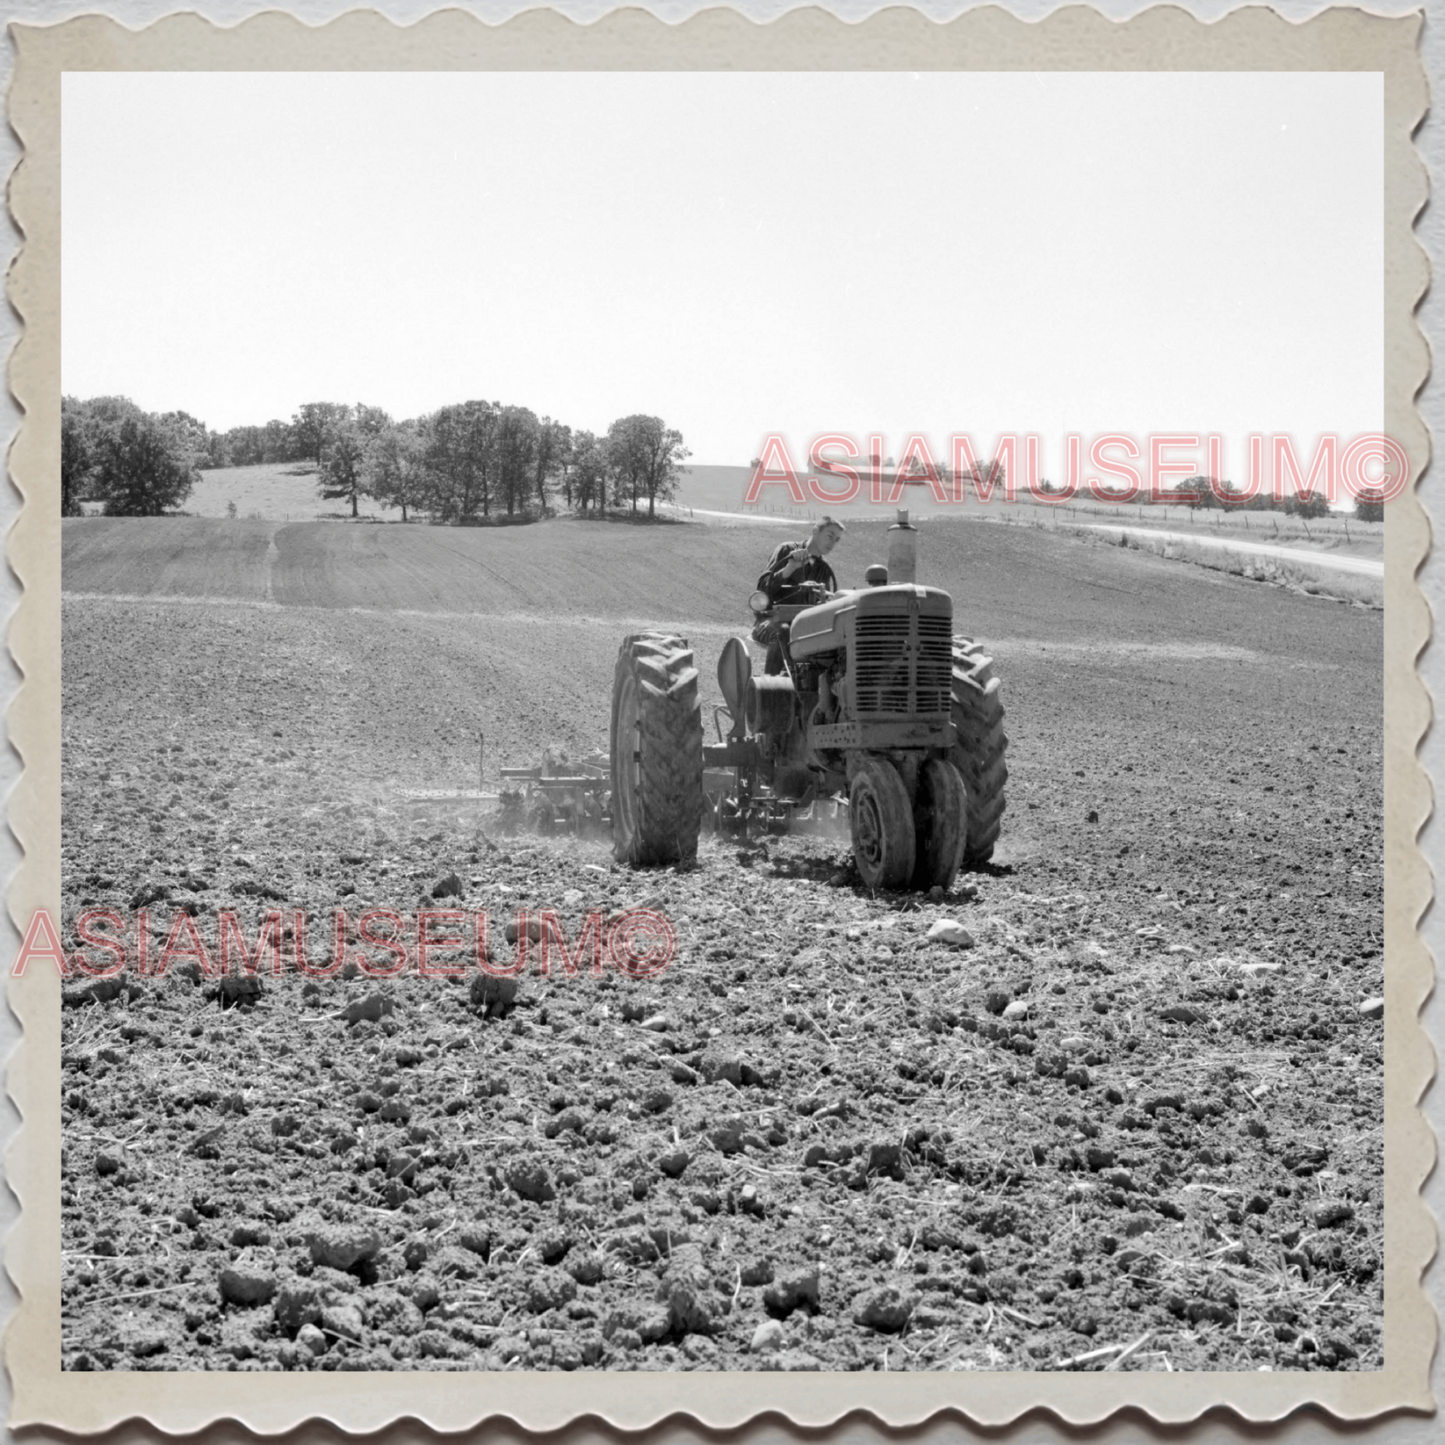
797, 1288
371, 1009
342, 1246
686, 1289
885, 1308
585, 1268
720, 1062
496, 997
240, 990
530, 1178
550, 1289
251, 1280
674, 1163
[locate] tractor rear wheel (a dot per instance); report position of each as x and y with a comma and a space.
881, 820
979, 753
657, 793
940, 819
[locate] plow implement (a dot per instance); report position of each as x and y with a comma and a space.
578, 799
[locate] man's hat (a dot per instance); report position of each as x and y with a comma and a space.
829, 522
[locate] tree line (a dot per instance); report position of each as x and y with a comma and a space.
473, 461
1207, 493
1199, 492
989, 478
476, 460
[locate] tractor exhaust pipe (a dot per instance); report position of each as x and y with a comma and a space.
902, 549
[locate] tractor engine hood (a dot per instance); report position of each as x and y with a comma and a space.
824, 628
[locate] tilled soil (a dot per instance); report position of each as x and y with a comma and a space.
1139, 1105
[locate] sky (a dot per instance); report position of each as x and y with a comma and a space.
740, 254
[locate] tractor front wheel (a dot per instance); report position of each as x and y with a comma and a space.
882, 825
657, 792
940, 816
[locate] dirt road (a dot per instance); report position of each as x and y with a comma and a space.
1336, 561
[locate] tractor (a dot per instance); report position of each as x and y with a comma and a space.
879, 700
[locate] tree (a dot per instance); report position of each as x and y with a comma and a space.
249, 446
1193, 492
342, 473
396, 467
588, 472
646, 457
141, 468
218, 454
1309, 506
554, 446
281, 442
516, 438
983, 477
370, 421
461, 444
1370, 506
75, 456
190, 434
315, 424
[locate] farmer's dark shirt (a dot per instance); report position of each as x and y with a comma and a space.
814, 569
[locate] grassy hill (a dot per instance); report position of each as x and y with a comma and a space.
273, 492
721, 489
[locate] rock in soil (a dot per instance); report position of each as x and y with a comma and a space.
951, 931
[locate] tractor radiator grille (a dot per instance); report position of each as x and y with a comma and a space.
903, 667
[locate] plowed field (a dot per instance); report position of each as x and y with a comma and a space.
1138, 1116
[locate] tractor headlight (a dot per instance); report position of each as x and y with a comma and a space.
760, 602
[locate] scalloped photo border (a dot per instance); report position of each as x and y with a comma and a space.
1077, 38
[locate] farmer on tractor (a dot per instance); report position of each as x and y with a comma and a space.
868, 692
791, 565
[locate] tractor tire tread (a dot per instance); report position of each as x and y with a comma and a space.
978, 715
669, 786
